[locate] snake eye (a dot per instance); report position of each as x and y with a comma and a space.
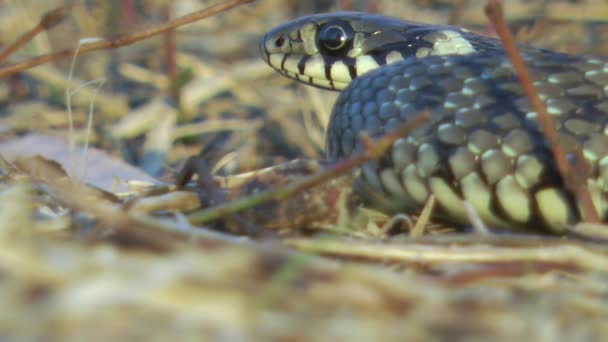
335, 37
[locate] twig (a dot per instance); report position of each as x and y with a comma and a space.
48, 21
200, 166
451, 250
588, 230
373, 150
130, 17
574, 181
169, 45
124, 40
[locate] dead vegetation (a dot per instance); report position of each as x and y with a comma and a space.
100, 245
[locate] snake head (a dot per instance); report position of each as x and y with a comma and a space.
330, 50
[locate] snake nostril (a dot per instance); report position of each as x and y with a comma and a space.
279, 42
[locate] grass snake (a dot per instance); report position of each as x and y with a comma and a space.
483, 144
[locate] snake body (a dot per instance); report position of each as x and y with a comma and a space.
483, 145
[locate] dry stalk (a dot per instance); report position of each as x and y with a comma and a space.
500, 250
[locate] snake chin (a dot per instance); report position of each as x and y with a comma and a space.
310, 80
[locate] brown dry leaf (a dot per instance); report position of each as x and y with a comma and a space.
99, 168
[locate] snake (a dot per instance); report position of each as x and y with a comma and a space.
482, 147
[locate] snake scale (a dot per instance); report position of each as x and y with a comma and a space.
483, 144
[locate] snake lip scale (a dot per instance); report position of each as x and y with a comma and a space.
482, 145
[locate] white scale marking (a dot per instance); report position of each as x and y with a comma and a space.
391, 184
393, 57
477, 193
315, 67
322, 83
423, 52
514, 200
448, 199
452, 44
554, 207
276, 59
291, 63
365, 64
413, 184
339, 72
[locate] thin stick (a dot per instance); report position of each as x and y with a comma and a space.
502, 249
172, 72
574, 183
47, 22
124, 40
373, 150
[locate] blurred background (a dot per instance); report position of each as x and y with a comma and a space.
146, 107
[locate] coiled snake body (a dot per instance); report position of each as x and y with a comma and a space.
483, 144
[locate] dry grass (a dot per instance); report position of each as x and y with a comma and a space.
78, 263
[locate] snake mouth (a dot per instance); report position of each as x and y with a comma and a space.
313, 70
317, 82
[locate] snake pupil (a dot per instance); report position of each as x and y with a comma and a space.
335, 38
279, 42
